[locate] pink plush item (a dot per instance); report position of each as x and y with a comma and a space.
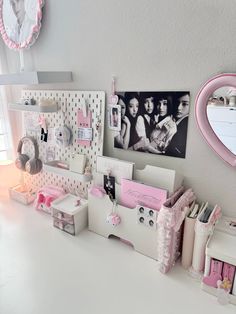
48, 200
113, 219
47, 194
215, 273
98, 191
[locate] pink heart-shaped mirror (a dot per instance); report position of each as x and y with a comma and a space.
215, 112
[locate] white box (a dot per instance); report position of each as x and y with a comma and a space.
69, 215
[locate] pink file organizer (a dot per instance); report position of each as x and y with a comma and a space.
134, 193
170, 219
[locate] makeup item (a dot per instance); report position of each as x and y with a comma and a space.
62, 165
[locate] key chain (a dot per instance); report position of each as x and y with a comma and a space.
113, 218
113, 98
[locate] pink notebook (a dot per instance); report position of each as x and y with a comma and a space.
135, 193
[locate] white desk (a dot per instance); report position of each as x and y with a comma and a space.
46, 271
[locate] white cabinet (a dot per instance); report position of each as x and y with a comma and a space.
221, 246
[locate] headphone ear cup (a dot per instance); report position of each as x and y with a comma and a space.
33, 166
39, 165
21, 161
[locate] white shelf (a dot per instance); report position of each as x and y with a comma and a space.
51, 167
222, 247
35, 77
35, 108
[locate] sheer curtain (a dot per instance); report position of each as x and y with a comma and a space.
6, 143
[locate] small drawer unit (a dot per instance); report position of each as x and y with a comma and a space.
70, 213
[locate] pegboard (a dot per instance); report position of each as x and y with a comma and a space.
68, 104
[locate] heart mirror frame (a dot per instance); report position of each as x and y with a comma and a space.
30, 28
227, 79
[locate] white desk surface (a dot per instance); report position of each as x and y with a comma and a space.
46, 271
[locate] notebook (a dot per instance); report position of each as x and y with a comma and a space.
134, 193
189, 235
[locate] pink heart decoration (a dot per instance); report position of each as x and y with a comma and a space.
114, 99
222, 80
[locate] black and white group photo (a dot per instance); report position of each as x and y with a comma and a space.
153, 122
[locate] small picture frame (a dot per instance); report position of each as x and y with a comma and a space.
114, 117
109, 186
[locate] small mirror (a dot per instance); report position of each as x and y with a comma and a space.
215, 111
221, 113
20, 22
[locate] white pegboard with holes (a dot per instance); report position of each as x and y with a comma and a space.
68, 103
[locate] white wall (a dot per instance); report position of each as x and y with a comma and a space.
148, 45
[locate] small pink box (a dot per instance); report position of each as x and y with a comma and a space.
135, 193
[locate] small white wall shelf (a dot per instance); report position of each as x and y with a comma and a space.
34, 108
35, 77
220, 246
51, 167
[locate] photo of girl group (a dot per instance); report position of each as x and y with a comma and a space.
153, 122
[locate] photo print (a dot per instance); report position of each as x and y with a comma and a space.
114, 117
154, 122
109, 186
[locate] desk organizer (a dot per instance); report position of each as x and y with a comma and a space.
163, 178
70, 213
221, 247
143, 238
20, 194
68, 103
137, 226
